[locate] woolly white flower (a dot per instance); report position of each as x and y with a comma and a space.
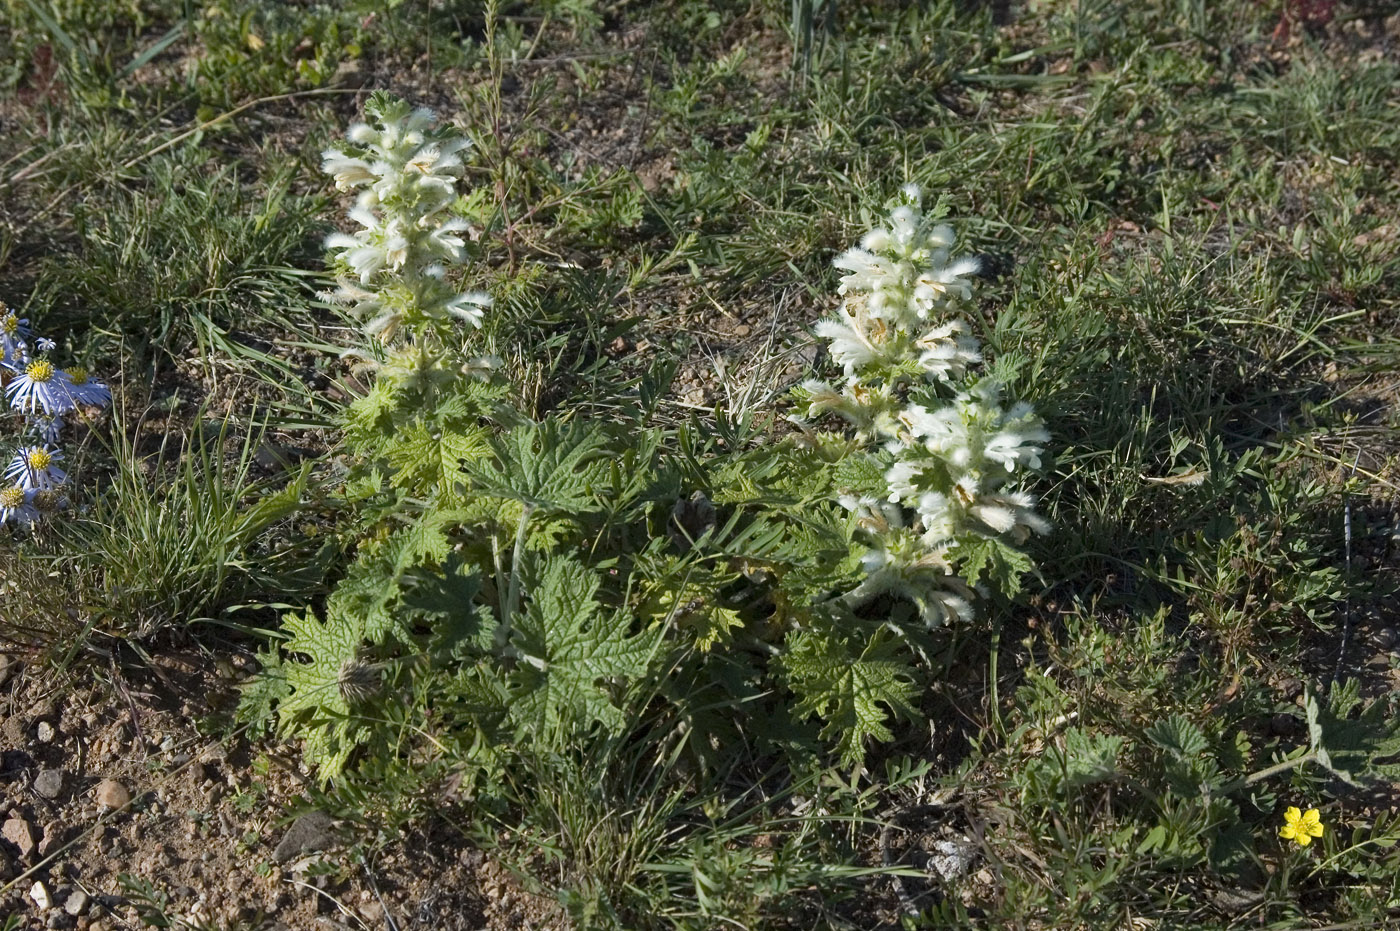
902, 566
1011, 514
40, 386
36, 467
946, 351
937, 517
469, 306
349, 172
864, 408
902, 478
944, 432
904, 269
821, 397
1015, 442
443, 242
850, 346
974, 431
407, 170
873, 515
384, 326
482, 366
933, 287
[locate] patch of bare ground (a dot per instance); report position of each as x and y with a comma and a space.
115, 800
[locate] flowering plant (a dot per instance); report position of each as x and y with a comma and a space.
526, 580
1301, 826
394, 272
951, 449
42, 394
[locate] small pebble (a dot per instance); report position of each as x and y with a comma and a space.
53, 838
20, 833
49, 782
45, 732
112, 794
40, 894
77, 903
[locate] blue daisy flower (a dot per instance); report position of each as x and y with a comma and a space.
40, 386
86, 390
36, 467
17, 504
13, 333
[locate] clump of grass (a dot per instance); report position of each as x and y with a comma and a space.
169, 539
184, 255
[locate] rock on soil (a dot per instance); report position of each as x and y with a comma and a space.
312, 831
77, 903
112, 794
49, 783
20, 833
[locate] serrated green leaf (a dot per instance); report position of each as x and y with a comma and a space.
999, 562
849, 692
371, 588
552, 467
1090, 758
262, 695
569, 652
445, 601
313, 706
1178, 735
861, 473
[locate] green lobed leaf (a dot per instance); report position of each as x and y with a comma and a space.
570, 652
550, 466
850, 692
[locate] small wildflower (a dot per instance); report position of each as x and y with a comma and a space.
40, 386
44, 344
36, 467
17, 504
1301, 827
86, 390
13, 333
47, 428
468, 307
406, 169
48, 501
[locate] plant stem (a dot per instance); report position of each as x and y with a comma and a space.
1281, 767
513, 591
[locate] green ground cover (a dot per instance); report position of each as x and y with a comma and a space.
1188, 218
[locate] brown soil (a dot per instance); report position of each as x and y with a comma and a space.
207, 826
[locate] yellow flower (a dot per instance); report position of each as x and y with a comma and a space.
1300, 827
